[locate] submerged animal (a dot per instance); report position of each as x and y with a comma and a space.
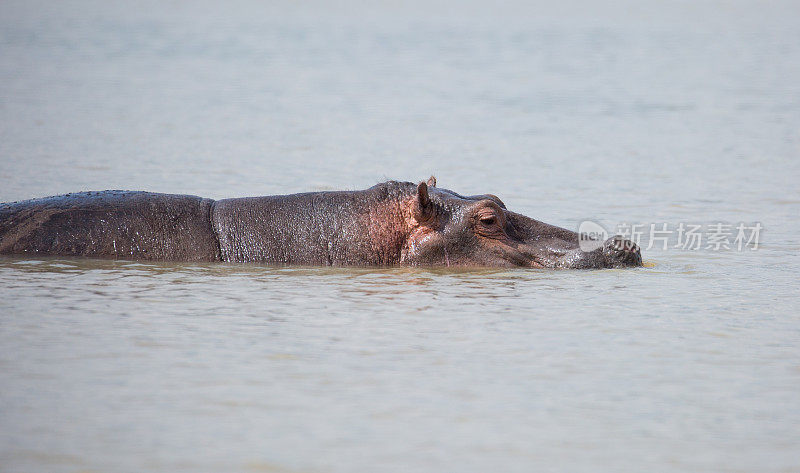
392, 223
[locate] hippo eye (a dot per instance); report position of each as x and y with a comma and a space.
489, 220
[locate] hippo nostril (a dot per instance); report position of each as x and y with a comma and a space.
619, 243
619, 251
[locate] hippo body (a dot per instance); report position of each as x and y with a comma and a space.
111, 224
392, 223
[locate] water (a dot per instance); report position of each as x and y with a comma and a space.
626, 112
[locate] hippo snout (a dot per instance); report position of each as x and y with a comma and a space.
618, 251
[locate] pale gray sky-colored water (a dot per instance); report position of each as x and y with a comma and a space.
621, 112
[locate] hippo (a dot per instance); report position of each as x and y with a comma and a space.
391, 223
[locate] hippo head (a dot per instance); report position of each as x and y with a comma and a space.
454, 230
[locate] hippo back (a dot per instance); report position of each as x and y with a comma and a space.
111, 224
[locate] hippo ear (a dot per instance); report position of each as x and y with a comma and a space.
423, 199
432, 181
423, 207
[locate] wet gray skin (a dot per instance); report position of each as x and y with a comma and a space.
392, 223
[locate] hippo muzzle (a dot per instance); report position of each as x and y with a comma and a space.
549, 246
616, 252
